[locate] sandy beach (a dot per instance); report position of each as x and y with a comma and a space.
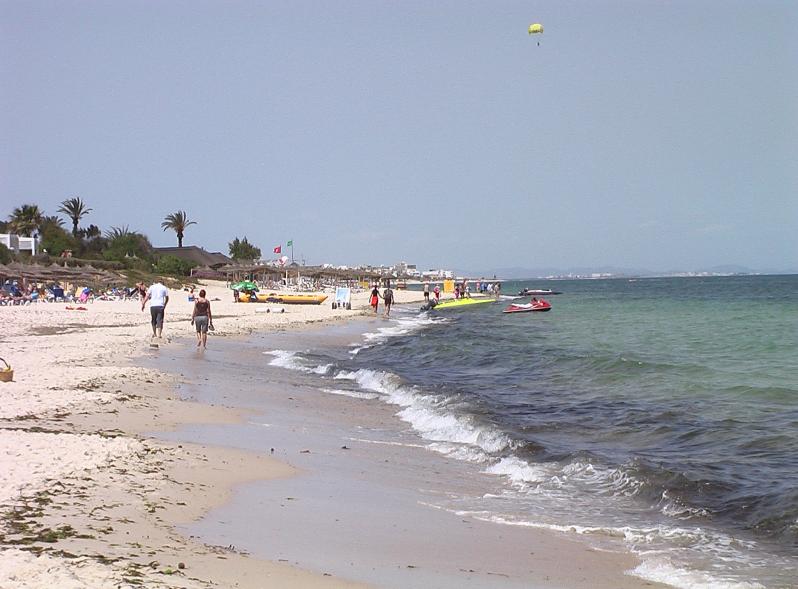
91, 498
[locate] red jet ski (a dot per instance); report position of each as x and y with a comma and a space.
534, 305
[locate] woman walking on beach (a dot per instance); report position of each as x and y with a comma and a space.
202, 319
375, 298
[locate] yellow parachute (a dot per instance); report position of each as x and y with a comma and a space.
535, 28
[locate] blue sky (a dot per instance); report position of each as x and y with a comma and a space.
644, 134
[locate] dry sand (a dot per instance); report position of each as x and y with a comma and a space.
87, 499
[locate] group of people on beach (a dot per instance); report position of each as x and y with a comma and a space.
158, 297
28, 293
463, 290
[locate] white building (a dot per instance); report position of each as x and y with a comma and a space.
405, 269
435, 274
17, 243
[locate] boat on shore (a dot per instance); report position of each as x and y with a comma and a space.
287, 299
456, 303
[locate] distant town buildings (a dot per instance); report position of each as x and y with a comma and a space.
399, 270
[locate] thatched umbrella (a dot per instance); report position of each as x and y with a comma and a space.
37, 272
109, 278
62, 272
27, 271
89, 269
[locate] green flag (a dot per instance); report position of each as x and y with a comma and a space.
290, 242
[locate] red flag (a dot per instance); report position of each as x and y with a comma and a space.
278, 249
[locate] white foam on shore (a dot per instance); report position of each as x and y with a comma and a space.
353, 394
429, 415
387, 443
519, 471
400, 325
661, 570
291, 360
654, 565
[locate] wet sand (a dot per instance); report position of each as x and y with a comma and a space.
126, 464
362, 504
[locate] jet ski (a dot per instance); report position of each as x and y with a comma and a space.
537, 305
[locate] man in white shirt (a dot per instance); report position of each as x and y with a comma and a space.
158, 295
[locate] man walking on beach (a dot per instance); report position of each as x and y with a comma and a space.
158, 295
387, 297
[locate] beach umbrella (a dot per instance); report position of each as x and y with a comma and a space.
244, 285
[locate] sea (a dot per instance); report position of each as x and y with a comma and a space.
657, 413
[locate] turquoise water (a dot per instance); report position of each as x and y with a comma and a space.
663, 411
658, 415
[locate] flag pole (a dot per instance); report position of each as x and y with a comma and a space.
292, 251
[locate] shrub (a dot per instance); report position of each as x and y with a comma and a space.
174, 266
124, 246
243, 250
55, 240
5, 255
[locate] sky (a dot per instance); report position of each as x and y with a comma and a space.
648, 134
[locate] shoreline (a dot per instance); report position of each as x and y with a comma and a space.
90, 522
364, 472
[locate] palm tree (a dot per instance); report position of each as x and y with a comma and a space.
75, 209
52, 221
115, 232
177, 222
25, 220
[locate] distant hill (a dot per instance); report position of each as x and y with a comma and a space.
518, 272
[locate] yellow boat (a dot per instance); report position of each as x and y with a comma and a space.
287, 299
453, 303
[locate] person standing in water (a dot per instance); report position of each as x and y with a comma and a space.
387, 297
202, 319
426, 291
375, 298
158, 296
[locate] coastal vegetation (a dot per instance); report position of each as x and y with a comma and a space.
75, 209
177, 222
118, 247
25, 220
243, 250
